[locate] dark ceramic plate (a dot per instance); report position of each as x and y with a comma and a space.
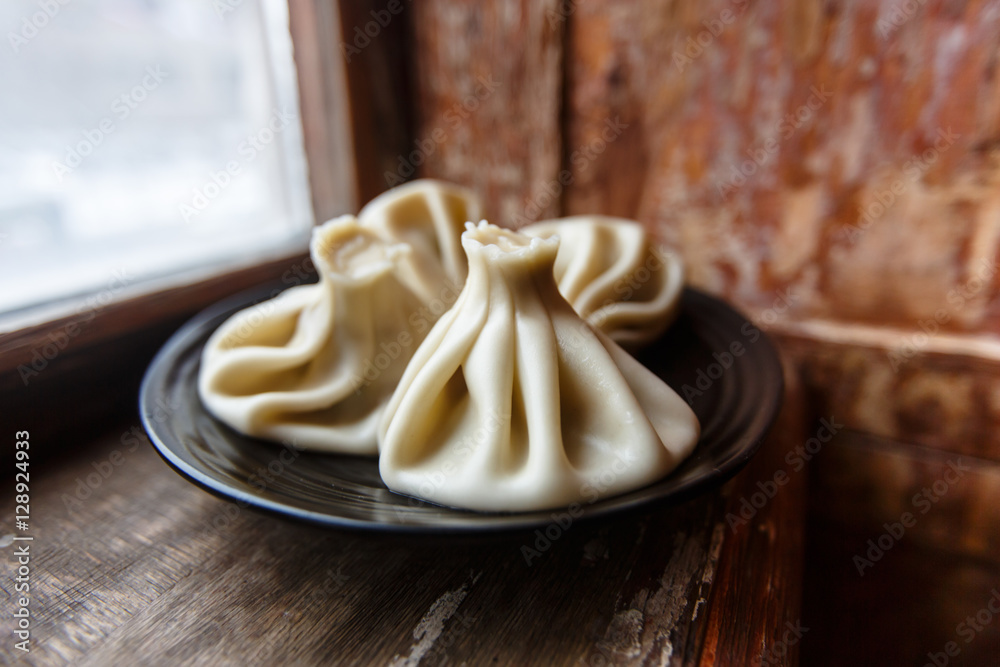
726, 368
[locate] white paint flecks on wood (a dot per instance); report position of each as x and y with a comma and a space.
432, 625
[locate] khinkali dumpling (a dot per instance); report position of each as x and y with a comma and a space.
514, 403
614, 276
316, 365
430, 216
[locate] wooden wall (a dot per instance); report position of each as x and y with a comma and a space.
832, 168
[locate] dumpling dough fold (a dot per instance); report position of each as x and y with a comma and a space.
513, 403
316, 365
615, 276
430, 216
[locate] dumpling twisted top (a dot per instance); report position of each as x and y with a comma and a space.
514, 403
614, 276
429, 216
315, 365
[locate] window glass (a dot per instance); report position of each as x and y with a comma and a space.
142, 138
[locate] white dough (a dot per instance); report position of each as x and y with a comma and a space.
514, 403
430, 216
315, 366
614, 276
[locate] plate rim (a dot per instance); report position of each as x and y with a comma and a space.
505, 522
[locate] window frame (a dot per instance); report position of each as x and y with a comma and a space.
99, 354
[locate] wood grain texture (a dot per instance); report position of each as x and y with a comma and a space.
488, 89
833, 113
375, 49
867, 212
144, 568
85, 367
325, 107
953, 498
355, 96
916, 601
948, 400
754, 613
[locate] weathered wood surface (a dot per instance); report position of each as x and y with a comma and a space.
488, 79
325, 108
867, 136
831, 168
375, 50
755, 600
825, 106
944, 399
150, 570
84, 368
910, 605
952, 497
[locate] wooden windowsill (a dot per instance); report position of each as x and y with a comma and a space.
86, 320
81, 370
164, 573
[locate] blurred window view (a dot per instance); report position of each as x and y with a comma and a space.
141, 138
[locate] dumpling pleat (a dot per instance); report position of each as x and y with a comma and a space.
316, 365
549, 411
615, 276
